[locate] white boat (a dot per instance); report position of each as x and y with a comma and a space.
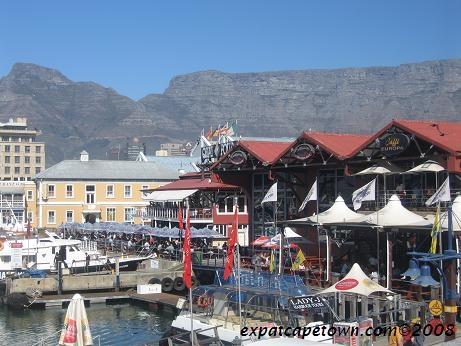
266, 303
43, 255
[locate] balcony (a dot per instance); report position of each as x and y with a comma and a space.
167, 214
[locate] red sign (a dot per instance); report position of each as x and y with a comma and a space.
346, 284
16, 245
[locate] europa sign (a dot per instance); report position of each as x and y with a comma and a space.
306, 303
394, 144
346, 284
303, 151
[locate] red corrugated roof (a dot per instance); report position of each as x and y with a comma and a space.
340, 145
208, 183
265, 151
444, 134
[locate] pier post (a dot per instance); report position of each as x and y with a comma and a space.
59, 277
117, 275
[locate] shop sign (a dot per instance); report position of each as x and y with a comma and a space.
394, 144
435, 307
237, 157
303, 151
346, 284
307, 303
215, 151
16, 255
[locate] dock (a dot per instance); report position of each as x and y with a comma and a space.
154, 301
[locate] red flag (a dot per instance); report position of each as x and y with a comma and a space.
187, 275
180, 220
231, 245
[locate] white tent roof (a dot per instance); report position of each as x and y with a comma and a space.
428, 166
394, 214
169, 195
357, 282
339, 212
456, 216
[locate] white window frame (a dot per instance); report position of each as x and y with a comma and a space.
71, 191
90, 196
51, 217
30, 195
51, 191
67, 216
145, 187
130, 194
112, 211
110, 195
132, 212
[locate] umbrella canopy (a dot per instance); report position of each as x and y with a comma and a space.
428, 166
394, 214
76, 331
357, 282
382, 168
275, 245
289, 233
260, 241
456, 216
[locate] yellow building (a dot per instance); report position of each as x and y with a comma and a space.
96, 191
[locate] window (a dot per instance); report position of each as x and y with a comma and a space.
17, 159
38, 149
110, 191
7, 170
26, 170
16, 148
51, 216
7, 148
144, 188
38, 160
17, 170
30, 216
7, 159
110, 214
51, 191
26, 159
30, 195
38, 170
27, 149
129, 213
69, 216
69, 191
90, 194
127, 191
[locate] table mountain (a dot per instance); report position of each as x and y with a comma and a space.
83, 115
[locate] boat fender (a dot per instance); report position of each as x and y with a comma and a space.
178, 284
167, 284
1, 245
154, 281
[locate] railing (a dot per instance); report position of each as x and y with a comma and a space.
172, 213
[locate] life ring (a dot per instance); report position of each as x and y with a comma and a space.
204, 301
1, 245
167, 284
178, 284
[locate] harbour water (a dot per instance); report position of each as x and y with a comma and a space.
113, 325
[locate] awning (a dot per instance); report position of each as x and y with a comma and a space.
169, 195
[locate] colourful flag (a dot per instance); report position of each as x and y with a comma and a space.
435, 231
271, 262
232, 241
311, 196
365, 193
180, 220
298, 260
187, 275
271, 195
441, 195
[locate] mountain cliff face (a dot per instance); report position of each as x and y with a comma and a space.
82, 115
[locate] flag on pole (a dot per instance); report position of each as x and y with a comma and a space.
232, 241
435, 231
271, 262
180, 220
298, 260
187, 275
271, 195
311, 196
441, 195
365, 193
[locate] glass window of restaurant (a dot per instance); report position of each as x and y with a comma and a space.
331, 183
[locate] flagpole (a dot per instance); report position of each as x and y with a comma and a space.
280, 240
238, 262
190, 288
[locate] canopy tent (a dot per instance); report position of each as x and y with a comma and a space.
455, 216
169, 195
357, 282
428, 166
276, 245
392, 215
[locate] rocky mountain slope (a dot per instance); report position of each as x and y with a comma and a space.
83, 115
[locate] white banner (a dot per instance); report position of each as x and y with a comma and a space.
271, 195
365, 193
311, 196
441, 195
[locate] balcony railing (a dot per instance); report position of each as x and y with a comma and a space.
172, 213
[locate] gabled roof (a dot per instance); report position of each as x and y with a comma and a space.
199, 182
108, 170
444, 134
340, 145
264, 151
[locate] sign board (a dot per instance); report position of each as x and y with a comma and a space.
307, 303
393, 144
435, 307
356, 335
16, 255
216, 151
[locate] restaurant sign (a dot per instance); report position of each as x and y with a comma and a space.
237, 157
394, 144
217, 150
307, 303
303, 151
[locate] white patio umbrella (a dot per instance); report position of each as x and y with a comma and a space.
428, 166
455, 216
76, 330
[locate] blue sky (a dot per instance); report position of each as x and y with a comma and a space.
136, 47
